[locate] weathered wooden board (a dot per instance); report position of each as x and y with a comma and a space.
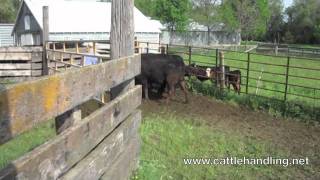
52, 159
102, 158
15, 66
36, 57
36, 73
19, 56
26, 104
13, 73
122, 44
20, 49
124, 166
36, 66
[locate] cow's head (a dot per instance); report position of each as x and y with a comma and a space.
208, 72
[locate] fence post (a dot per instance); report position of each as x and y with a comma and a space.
248, 70
287, 78
222, 76
45, 38
147, 47
77, 47
167, 49
190, 54
217, 56
136, 47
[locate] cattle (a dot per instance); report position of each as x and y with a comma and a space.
200, 73
166, 71
209, 73
234, 78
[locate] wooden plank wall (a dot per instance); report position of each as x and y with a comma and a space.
20, 62
92, 147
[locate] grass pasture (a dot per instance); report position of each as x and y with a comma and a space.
171, 133
267, 74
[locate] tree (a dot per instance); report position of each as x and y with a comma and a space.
275, 24
8, 10
246, 16
172, 13
146, 6
304, 20
205, 12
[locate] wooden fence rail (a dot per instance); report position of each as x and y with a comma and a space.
20, 61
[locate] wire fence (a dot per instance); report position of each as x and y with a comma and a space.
282, 77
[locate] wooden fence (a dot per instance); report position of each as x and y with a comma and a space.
20, 61
104, 144
63, 55
288, 50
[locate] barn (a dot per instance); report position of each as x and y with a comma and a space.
75, 20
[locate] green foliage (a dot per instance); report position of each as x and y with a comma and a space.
173, 13
275, 24
205, 12
304, 20
248, 17
8, 10
146, 6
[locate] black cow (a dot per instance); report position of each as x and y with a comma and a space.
165, 70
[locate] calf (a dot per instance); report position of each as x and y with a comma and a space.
165, 70
234, 78
205, 73
200, 73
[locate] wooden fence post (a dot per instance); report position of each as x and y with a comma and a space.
136, 47
77, 47
190, 54
287, 78
167, 49
163, 50
222, 69
217, 58
148, 47
94, 48
45, 38
248, 72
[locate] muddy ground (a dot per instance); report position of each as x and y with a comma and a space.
296, 137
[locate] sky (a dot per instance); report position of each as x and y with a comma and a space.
287, 3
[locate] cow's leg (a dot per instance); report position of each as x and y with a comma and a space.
239, 86
184, 89
170, 92
227, 82
235, 88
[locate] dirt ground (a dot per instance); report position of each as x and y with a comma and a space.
296, 137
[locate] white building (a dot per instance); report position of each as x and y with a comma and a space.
75, 20
5, 35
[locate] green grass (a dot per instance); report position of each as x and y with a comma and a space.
270, 84
167, 139
24, 143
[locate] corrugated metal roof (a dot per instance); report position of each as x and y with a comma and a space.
5, 35
85, 16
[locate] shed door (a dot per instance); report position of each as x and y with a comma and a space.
27, 40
